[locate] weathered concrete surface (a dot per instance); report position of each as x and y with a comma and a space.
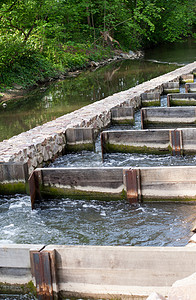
171, 87
15, 268
122, 115
44, 143
168, 116
156, 141
105, 272
190, 87
181, 99
187, 78
13, 176
78, 139
113, 272
153, 183
150, 99
90, 183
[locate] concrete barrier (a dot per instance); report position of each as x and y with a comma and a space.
89, 183
157, 141
171, 117
150, 99
122, 115
15, 268
171, 87
134, 184
187, 78
13, 178
107, 272
78, 139
181, 99
190, 87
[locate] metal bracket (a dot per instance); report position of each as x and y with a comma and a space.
43, 270
176, 142
132, 183
34, 182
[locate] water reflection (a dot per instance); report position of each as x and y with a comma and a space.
65, 96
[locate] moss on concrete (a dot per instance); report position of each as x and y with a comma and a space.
123, 122
29, 288
150, 103
186, 81
56, 192
134, 149
80, 147
176, 199
171, 91
182, 102
12, 188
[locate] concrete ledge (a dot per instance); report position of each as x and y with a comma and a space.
180, 99
187, 78
190, 87
171, 87
122, 115
78, 139
157, 141
15, 268
13, 178
168, 116
95, 271
150, 99
144, 184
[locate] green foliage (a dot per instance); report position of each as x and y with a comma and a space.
43, 35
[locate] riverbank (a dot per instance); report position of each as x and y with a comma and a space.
24, 86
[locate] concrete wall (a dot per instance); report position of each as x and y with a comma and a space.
13, 177
44, 143
148, 184
190, 87
156, 141
97, 271
15, 268
150, 99
168, 116
181, 99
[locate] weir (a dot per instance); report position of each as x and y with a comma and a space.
190, 87
181, 99
171, 117
104, 272
158, 141
139, 184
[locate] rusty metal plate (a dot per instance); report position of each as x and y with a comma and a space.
34, 187
131, 181
176, 141
42, 273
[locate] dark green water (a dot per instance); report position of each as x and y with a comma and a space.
62, 97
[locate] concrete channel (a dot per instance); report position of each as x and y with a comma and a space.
57, 272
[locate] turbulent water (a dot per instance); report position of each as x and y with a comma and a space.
75, 222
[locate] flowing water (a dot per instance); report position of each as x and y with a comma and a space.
67, 221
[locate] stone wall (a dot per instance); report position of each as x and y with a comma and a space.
44, 143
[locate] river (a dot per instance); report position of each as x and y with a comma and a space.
74, 222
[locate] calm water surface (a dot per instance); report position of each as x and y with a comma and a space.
65, 96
